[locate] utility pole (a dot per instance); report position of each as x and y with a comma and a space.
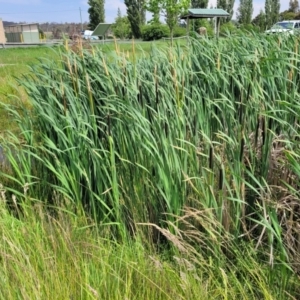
80, 19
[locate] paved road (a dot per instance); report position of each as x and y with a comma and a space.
54, 43
22, 45
60, 42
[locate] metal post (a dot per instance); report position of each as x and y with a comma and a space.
216, 25
81, 19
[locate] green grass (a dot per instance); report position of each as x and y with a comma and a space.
61, 255
15, 62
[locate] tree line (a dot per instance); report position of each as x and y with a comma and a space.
132, 23
171, 10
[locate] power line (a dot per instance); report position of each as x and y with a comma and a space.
38, 12
65, 1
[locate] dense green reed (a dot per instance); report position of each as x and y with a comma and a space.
212, 125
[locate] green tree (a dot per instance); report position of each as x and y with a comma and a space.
227, 5
294, 6
260, 20
272, 8
199, 3
155, 15
136, 15
96, 13
288, 15
121, 28
171, 9
245, 11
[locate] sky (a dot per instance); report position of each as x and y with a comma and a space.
39, 11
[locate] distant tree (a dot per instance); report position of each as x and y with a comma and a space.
227, 5
288, 15
260, 20
155, 18
294, 6
96, 13
171, 9
121, 28
119, 13
199, 3
57, 33
268, 13
245, 11
136, 14
155, 9
272, 8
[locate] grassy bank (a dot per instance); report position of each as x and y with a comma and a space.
182, 162
14, 64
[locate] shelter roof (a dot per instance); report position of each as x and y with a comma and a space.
197, 13
101, 29
25, 24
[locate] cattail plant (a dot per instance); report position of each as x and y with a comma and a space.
136, 140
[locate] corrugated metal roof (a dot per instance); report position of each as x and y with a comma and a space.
101, 29
195, 13
25, 24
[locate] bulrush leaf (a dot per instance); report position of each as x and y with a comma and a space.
211, 125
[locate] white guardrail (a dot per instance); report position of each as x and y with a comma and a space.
176, 38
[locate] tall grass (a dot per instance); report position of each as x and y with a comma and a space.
210, 126
61, 256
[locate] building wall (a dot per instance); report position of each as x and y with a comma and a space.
30, 28
23, 33
31, 37
13, 37
2, 35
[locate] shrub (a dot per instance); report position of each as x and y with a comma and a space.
121, 28
249, 28
206, 24
179, 31
228, 28
42, 34
194, 34
154, 32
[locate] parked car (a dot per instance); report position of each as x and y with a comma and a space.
91, 37
288, 27
87, 35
